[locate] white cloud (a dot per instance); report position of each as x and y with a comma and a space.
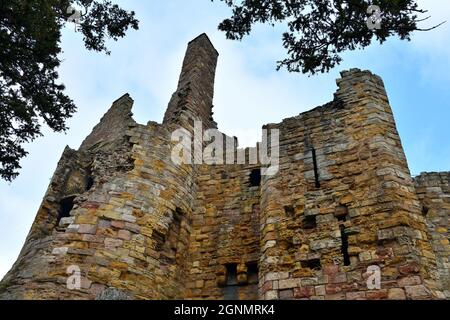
433, 45
439, 11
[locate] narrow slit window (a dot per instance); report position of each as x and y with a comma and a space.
232, 274
342, 215
344, 246
316, 168
175, 229
230, 291
89, 183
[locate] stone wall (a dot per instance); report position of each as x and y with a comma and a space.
57, 236
433, 190
342, 201
224, 246
139, 226
129, 230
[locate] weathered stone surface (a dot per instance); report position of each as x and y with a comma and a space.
113, 294
396, 294
433, 190
136, 225
417, 292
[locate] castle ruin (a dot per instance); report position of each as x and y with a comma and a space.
132, 224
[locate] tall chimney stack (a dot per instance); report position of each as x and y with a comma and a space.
194, 95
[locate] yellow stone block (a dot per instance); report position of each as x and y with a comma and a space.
86, 219
367, 238
146, 231
119, 265
441, 230
110, 215
428, 254
304, 248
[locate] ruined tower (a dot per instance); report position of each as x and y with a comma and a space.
128, 222
194, 96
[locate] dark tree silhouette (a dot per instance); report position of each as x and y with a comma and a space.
30, 36
320, 30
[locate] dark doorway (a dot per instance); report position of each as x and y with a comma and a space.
255, 178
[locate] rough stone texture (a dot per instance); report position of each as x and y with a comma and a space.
113, 294
139, 226
364, 199
225, 230
194, 96
433, 190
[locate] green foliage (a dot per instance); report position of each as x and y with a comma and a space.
320, 30
30, 36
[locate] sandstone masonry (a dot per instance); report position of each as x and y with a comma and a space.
139, 226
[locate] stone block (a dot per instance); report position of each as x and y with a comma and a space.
124, 234
417, 292
355, 295
286, 294
409, 281
289, 283
396, 294
87, 229
303, 292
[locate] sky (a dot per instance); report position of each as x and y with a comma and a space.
249, 92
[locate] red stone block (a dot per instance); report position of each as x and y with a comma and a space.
377, 294
87, 229
350, 287
117, 224
331, 270
303, 292
409, 268
124, 234
266, 287
333, 288
90, 205
384, 253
